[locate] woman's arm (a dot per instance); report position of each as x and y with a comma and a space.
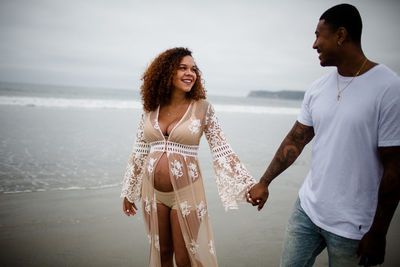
131, 186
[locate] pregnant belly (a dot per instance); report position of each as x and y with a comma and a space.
162, 180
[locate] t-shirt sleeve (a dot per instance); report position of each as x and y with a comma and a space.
389, 117
305, 115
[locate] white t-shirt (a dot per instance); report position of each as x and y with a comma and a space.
340, 192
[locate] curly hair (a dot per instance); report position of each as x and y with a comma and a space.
157, 80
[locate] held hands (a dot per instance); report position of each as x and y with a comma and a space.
128, 207
258, 195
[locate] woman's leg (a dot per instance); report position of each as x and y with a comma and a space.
181, 253
164, 232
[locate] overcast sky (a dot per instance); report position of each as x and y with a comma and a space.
238, 45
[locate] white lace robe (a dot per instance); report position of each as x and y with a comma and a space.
181, 147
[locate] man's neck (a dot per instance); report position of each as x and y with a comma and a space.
352, 64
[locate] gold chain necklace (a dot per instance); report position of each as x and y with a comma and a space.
339, 91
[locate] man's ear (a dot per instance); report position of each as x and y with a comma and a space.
342, 35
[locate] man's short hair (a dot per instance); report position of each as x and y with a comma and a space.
347, 16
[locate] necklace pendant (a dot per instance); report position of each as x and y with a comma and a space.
169, 114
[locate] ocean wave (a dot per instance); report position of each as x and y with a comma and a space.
257, 109
132, 104
62, 189
69, 103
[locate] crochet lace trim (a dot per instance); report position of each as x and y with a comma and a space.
172, 147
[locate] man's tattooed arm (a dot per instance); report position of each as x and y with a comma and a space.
298, 137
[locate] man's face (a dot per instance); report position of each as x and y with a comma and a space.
326, 44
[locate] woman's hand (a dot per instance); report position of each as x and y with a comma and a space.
128, 207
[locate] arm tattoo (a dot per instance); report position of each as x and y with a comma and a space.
290, 148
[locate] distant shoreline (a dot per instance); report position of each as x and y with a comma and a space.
285, 94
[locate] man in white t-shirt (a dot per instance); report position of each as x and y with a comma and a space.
352, 190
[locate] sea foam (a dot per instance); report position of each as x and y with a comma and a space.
132, 104
69, 102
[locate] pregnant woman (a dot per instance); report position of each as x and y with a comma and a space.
163, 169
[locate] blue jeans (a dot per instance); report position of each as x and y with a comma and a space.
304, 241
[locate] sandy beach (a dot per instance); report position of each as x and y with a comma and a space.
71, 76
70, 228
51, 151
87, 228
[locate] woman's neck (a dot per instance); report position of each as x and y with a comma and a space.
177, 98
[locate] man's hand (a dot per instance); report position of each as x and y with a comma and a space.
371, 249
258, 195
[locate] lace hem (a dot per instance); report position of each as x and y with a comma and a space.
129, 197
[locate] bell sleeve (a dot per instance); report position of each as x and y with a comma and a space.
131, 185
232, 177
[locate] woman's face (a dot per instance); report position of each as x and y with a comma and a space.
185, 76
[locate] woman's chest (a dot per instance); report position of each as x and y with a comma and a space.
187, 130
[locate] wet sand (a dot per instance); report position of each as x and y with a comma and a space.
87, 228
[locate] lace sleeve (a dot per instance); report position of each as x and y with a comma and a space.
133, 180
232, 178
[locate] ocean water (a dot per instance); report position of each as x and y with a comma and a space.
70, 138
73, 139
